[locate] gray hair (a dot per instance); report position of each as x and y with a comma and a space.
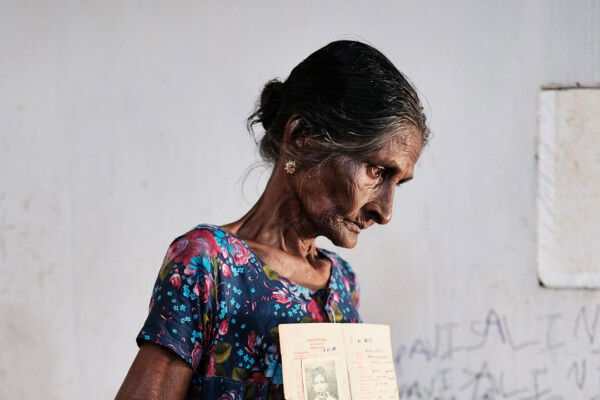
350, 99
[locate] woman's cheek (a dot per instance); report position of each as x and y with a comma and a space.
362, 189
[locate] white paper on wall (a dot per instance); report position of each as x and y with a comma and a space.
568, 225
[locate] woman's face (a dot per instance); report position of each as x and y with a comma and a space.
350, 194
320, 385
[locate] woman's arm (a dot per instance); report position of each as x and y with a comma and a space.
156, 373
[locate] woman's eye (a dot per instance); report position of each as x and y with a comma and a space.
377, 171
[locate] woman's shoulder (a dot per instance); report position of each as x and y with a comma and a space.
209, 239
202, 240
199, 231
207, 245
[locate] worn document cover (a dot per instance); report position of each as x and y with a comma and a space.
337, 362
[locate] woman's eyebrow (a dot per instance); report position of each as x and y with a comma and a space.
392, 166
395, 169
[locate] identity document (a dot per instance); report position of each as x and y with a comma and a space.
337, 362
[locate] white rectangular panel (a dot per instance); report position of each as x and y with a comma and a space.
568, 225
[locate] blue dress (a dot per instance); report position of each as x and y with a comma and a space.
217, 305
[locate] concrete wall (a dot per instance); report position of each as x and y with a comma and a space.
122, 126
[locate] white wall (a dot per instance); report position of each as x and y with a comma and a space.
122, 126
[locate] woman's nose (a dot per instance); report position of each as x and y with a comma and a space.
380, 209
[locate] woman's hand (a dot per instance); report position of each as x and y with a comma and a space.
156, 373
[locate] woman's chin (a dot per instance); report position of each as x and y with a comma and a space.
345, 238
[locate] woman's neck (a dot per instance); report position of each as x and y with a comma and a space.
276, 220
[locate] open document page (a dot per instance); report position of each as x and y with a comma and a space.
337, 362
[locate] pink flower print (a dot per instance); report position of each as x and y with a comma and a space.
208, 283
193, 244
334, 261
174, 249
223, 327
210, 368
336, 297
196, 290
226, 270
183, 251
251, 342
196, 355
316, 312
195, 264
206, 239
175, 280
258, 377
282, 298
347, 283
241, 255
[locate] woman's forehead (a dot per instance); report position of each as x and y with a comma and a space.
402, 147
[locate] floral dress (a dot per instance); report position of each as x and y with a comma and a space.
218, 306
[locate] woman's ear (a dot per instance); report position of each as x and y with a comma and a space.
292, 132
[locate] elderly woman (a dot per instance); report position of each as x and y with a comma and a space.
342, 132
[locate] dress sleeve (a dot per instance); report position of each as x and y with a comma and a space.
180, 315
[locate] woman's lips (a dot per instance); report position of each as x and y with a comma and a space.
353, 226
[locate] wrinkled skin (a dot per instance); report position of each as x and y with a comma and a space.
337, 201
352, 194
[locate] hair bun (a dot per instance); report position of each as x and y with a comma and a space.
270, 101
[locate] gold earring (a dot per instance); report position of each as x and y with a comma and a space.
290, 167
